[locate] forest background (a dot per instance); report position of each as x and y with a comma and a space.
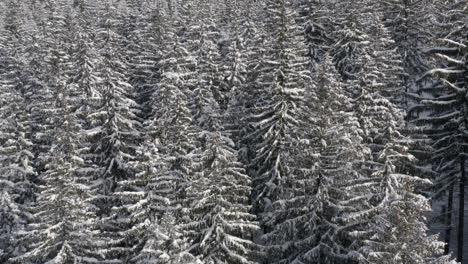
233, 131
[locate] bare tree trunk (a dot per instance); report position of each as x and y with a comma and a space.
448, 220
461, 212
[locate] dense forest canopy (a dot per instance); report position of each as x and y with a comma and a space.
233, 131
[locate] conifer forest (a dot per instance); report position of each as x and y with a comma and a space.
233, 131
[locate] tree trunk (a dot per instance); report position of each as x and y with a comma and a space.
448, 220
461, 212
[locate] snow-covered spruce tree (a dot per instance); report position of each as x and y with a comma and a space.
316, 18
370, 193
12, 220
222, 227
165, 244
370, 72
361, 37
410, 25
235, 80
117, 137
169, 149
373, 87
451, 18
84, 76
183, 14
113, 137
155, 235
239, 47
233, 19
15, 18
64, 224
280, 83
140, 24
18, 176
234, 41
381, 122
240, 69
116, 126
210, 68
144, 51
445, 124
47, 61
206, 110
397, 232
308, 227
12, 22
200, 39
350, 39
164, 166
171, 122
227, 14
371, 81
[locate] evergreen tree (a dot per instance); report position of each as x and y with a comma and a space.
371, 81
316, 18
208, 97
450, 19
238, 96
18, 180
399, 212
381, 126
170, 124
113, 137
47, 67
445, 123
241, 68
409, 23
117, 128
281, 81
308, 222
222, 227
172, 137
118, 135
155, 235
160, 131
362, 38
84, 77
165, 244
142, 26
64, 226
165, 163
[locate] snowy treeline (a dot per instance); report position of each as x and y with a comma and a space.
231, 131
